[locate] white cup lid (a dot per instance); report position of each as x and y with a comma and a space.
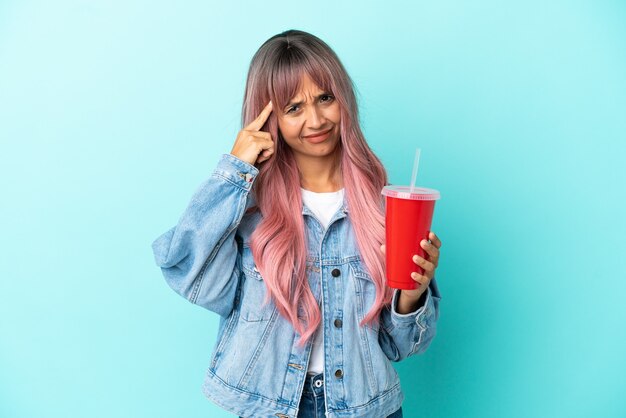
403, 192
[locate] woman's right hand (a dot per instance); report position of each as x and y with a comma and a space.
253, 145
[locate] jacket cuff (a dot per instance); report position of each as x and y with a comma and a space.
236, 171
416, 317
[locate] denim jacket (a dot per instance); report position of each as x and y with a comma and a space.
256, 368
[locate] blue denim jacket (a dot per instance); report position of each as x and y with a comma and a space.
256, 368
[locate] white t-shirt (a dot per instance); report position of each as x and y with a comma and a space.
324, 206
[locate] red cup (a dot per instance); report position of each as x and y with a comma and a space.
407, 222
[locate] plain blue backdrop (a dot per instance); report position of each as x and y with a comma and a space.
112, 113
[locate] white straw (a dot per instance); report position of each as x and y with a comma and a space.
416, 163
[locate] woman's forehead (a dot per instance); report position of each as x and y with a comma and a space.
307, 87
297, 84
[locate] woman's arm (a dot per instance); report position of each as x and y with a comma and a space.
402, 335
198, 257
407, 305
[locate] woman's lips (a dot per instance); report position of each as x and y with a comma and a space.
318, 137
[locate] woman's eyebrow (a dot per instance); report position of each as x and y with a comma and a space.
299, 103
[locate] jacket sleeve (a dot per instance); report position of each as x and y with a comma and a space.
402, 335
198, 257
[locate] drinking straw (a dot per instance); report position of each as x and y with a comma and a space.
416, 163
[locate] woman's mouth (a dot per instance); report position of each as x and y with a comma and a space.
317, 138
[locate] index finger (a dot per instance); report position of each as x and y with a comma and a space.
258, 123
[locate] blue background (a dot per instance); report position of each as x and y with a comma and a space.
112, 113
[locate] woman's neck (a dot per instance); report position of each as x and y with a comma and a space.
320, 174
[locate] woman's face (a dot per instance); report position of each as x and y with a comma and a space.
310, 112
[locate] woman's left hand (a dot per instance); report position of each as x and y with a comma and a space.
428, 265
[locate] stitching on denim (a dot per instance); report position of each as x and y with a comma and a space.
336, 261
416, 345
368, 358
266, 307
225, 337
239, 163
197, 281
257, 353
212, 375
223, 175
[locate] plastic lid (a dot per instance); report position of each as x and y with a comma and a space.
403, 192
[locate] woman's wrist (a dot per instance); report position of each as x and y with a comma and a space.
410, 303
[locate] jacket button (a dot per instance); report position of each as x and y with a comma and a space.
335, 272
338, 373
338, 323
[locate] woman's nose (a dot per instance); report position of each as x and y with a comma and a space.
314, 118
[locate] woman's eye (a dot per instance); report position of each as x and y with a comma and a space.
328, 96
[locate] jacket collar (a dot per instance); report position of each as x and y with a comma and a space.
305, 210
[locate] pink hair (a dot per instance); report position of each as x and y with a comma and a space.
279, 244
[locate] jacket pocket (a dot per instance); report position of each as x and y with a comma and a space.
254, 289
365, 291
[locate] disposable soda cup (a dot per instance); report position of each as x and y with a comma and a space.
408, 219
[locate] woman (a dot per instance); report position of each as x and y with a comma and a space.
283, 241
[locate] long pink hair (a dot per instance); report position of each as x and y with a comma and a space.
279, 244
